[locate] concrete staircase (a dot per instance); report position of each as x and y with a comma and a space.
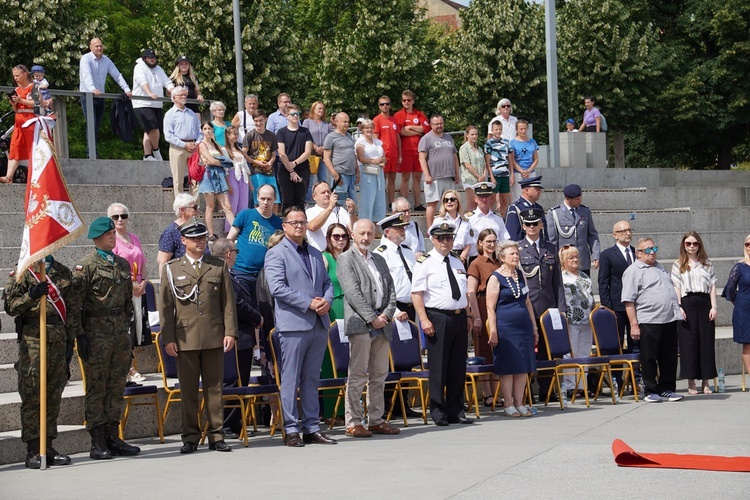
658, 203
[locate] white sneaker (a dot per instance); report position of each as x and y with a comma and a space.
157, 155
149, 158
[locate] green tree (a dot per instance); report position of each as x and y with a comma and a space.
384, 51
607, 50
203, 29
706, 87
52, 34
498, 52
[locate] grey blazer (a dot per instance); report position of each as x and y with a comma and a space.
360, 292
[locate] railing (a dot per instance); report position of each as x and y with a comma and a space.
59, 106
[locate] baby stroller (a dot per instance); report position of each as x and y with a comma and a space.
21, 173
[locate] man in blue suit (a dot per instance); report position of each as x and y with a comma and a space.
299, 283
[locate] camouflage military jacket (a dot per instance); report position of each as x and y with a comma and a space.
18, 303
104, 293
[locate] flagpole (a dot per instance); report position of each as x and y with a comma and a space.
43, 371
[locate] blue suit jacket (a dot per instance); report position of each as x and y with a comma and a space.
293, 288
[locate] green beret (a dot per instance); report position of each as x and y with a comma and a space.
100, 226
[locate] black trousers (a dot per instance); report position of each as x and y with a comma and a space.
659, 356
697, 335
446, 355
292, 193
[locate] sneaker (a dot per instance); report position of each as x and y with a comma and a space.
671, 396
419, 208
157, 155
653, 398
149, 158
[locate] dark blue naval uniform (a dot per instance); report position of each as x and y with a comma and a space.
513, 219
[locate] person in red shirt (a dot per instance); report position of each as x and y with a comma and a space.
386, 129
412, 125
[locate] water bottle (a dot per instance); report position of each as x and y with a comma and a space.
616, 388
533, 410
722, 382
564, 398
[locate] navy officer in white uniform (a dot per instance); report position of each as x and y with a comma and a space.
438, 292
401, 262
483, 217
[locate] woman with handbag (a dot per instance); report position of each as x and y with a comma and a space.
473, 165
319, 128
239, 175
371, 160
214, 183
128, 246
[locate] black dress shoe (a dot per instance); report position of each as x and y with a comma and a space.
293, 440
441, 422
54, 457
230, 434
318, 438
461, 420
219, 446
188, 447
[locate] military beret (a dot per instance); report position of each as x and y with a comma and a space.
572, 191
100, 226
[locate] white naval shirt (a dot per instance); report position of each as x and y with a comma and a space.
479, 222
464, 233
431, 278
401, 282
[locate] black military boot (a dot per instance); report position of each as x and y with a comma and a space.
116, 445
99, 449
33, 460
54, 457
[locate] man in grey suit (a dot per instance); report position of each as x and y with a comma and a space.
369, 306
302, 290
571, 223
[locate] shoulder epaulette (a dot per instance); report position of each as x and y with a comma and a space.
468, 214
423, 258
555, 207
404, 245
211, 259
584, 206
177, 259
381, 248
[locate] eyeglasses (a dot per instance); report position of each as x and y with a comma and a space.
450, 200
296, 223
692, 244
531, 224
119, 216
340, 236
650, 250
384, 104
233, 250
623, 231
505, 106
444, 237
490, 242
295, 114
407, 100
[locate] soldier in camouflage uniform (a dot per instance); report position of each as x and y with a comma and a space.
103, 288
22, 299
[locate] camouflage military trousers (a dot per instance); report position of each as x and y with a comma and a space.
106, 372
28, 385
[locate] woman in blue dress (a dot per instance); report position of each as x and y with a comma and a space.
737, 291
513, 332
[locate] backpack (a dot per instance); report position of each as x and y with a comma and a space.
196, 169
603, 125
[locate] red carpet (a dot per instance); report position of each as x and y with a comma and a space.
625, 456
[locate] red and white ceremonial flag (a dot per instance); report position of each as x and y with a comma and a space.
52, 220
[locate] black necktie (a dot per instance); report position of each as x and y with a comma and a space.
536, 250
406, 265
455, 291
627, 256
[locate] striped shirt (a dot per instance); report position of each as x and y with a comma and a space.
697, 279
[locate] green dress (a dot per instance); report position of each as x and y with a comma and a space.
336, 312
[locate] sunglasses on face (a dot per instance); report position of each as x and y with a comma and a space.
531, 224
692, 244
623, 231
505, 106
407, 100
384, 104
120, 216
295, 114
747, 244
444, 237
340, 236
450, 200
650, 250
197, 238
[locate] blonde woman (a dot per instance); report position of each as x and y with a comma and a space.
184, 76
737, 291
450, 211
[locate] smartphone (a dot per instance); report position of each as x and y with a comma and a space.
11, 95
